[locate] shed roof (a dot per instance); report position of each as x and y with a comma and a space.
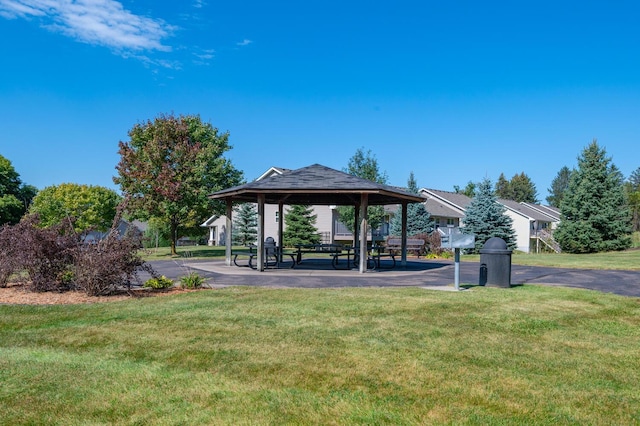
316, 184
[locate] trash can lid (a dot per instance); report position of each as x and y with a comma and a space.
495, 243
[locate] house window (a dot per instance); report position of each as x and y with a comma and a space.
277, 217
451, 222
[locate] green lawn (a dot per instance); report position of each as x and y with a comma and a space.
254, 356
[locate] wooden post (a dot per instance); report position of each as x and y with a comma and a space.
227, 236
364, 200
403, 258
260, 266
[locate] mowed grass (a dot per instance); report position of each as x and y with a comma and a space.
255, 356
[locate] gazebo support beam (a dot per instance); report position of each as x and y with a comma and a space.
364, 201
227, 234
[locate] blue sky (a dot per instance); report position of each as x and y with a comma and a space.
453, 91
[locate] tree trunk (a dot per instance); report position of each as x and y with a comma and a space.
174, 239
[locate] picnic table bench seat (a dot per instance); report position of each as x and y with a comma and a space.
394, 245
272, 255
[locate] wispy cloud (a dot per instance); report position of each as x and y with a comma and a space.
244, 42
101, 22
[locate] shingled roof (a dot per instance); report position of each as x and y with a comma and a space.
316, 185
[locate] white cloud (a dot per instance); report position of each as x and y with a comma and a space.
244, 42
102, 22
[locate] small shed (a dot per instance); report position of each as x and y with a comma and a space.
319, 185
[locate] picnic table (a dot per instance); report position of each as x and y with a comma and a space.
330, 249
272, 254
374, 257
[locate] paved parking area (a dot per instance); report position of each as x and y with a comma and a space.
318, 273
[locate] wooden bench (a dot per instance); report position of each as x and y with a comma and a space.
394, 245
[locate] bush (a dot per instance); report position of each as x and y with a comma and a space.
57, 259
108, 265
45, 254
191, 281
158, 283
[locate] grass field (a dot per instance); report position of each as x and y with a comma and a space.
253, 356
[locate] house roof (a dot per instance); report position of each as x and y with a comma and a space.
316, 184
526, 210
552, 212
453, 204
445, 204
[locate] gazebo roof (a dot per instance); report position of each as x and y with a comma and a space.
319, 185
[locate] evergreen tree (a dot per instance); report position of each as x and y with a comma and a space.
559, 186
300, 226
503, 188
486, 218
594, 216
245, 225
519, 188
632, 191
418, 218
364, 165
523, 189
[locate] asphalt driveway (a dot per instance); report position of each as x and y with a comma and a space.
318, 273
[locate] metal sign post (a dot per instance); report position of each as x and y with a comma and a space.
457, 241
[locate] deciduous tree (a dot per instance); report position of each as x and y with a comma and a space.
15, 196
365, 165
170, 166
594, 215
90, 206
469, 190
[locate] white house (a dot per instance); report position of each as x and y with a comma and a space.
532, 223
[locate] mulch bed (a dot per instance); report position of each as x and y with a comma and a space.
19, 295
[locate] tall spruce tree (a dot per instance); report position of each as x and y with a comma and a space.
593, 215
418, 218
559, 186
486, 218
300, 226
245, 225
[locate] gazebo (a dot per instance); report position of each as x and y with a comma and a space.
316, 185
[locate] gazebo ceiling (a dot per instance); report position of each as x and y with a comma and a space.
317, 185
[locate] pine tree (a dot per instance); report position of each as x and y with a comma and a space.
519, 188
486, 218
245, 225
559, 186
523, 189
594, 215
300, 226
503, 188
418, 218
